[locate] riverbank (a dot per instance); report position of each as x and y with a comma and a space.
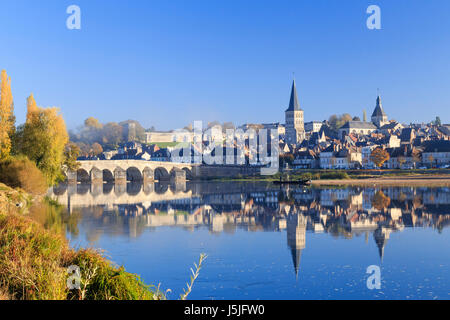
34, 262
360, 178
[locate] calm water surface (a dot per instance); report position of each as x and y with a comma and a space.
267, 242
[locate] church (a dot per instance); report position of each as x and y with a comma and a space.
379, 117
379, 122
295, 122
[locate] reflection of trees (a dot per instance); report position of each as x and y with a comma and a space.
55, 218
336, 229
380, 201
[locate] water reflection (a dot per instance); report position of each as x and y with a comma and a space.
226, 207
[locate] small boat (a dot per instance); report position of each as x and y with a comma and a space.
300, 182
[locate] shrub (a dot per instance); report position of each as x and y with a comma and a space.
306, 176
334, 175
102, 281
34, 262
20, 172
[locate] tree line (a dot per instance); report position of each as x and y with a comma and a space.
38, 149
93, 137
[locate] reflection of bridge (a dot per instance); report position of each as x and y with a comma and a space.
86, 195
121, 171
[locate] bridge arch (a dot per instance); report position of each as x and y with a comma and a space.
161, 188
134, 175
134, 189
108, 176
189, 175
83, 176
60, 189
83, 188
161, 174
107, 188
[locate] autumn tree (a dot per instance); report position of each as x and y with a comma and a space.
416, 157
96, 149
43, 139
93, 123
71, 154
379, 156
112, 134
338, 121
6, 115
401, 161
287, 158
431, 160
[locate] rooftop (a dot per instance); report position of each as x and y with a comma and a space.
358, 125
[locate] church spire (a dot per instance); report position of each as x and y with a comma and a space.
294, 105
378, 112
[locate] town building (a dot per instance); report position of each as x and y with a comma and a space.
313, 126
275, 126
436, 153
306, 160
336, 157
170, 136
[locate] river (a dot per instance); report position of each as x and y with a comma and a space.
267, 242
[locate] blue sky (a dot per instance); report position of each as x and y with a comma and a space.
167, 63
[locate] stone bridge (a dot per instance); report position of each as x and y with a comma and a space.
122, 171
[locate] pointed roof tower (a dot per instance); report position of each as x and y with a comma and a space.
294, 105
379, 112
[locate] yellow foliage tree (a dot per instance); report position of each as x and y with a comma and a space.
43, 139
6, 115
379, 156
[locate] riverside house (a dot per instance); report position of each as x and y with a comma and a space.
436, 153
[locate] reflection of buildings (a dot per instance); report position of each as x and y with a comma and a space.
227, 207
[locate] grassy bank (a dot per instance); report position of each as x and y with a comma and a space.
325, 175
34, 261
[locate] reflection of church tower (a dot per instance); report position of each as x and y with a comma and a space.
296, 237
381, 236
295, 125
